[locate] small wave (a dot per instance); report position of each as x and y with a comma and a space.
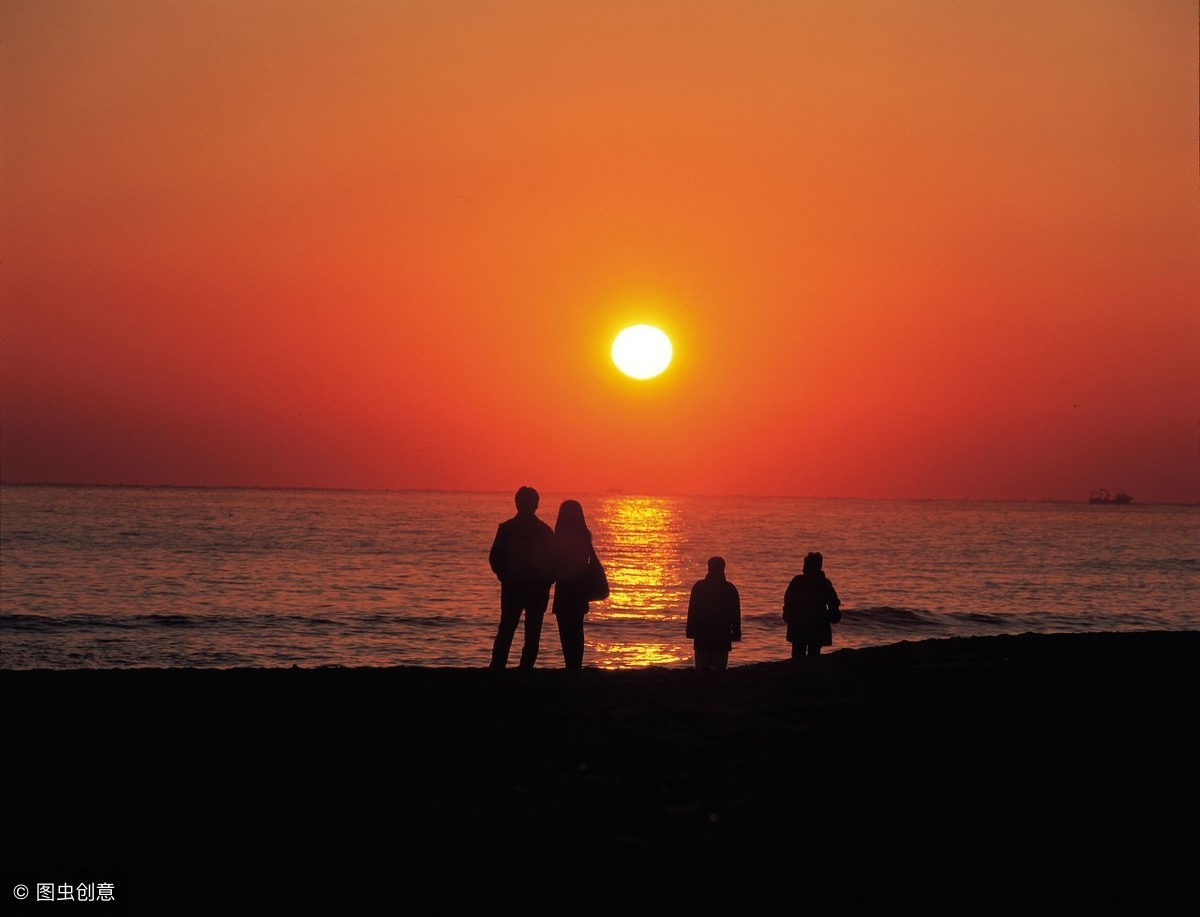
46, 623
391, 620
33, 623
985, 618
50, 623
889, 615
879, 614
172, 620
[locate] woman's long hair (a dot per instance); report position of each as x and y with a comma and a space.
570, 519
573, 540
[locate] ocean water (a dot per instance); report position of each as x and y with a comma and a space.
119, 577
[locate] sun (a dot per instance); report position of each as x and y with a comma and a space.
642, 351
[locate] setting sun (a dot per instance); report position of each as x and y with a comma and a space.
641, 351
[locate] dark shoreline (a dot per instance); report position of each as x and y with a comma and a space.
994, 767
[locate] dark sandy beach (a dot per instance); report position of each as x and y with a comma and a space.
971, 774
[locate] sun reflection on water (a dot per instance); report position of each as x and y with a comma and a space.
640, 540
638, 655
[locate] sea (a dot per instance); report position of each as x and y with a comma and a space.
163, 577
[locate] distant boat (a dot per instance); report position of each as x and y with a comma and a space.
1101, 496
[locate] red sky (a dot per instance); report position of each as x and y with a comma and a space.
903, 249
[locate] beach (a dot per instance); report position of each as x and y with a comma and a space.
1057, 765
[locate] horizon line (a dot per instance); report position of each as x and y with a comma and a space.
608, 492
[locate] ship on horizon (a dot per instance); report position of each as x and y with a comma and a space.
1101, 496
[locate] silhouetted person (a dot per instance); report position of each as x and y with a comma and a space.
714, 619
574, 556
522, 559
810, 605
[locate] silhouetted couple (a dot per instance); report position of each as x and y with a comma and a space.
528, 557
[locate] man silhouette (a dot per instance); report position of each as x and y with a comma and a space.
522, 559
714, 619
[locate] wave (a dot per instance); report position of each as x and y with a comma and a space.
878, 616
48, 623
890, 616
32, 623
897, 621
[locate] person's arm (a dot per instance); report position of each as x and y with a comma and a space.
552, 546
833, 603
736, 614
553, 552
691, 615
787, 600
498, 551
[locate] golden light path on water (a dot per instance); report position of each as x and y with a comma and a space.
640, 541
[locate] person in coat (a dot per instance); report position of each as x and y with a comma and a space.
522, 557
810, 606
714, 618
574, 557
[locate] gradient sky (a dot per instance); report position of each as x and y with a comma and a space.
903, 249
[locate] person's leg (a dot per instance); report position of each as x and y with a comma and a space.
577, 644
706, 660
720, 661
510, 614
570, 635
797, 650
564, 636
814, 649
535, 611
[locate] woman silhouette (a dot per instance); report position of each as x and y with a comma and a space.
574, 555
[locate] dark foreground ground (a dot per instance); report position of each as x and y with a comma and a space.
973, 775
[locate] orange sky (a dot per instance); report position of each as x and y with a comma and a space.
903, 249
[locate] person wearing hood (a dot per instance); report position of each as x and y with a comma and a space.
810, 606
